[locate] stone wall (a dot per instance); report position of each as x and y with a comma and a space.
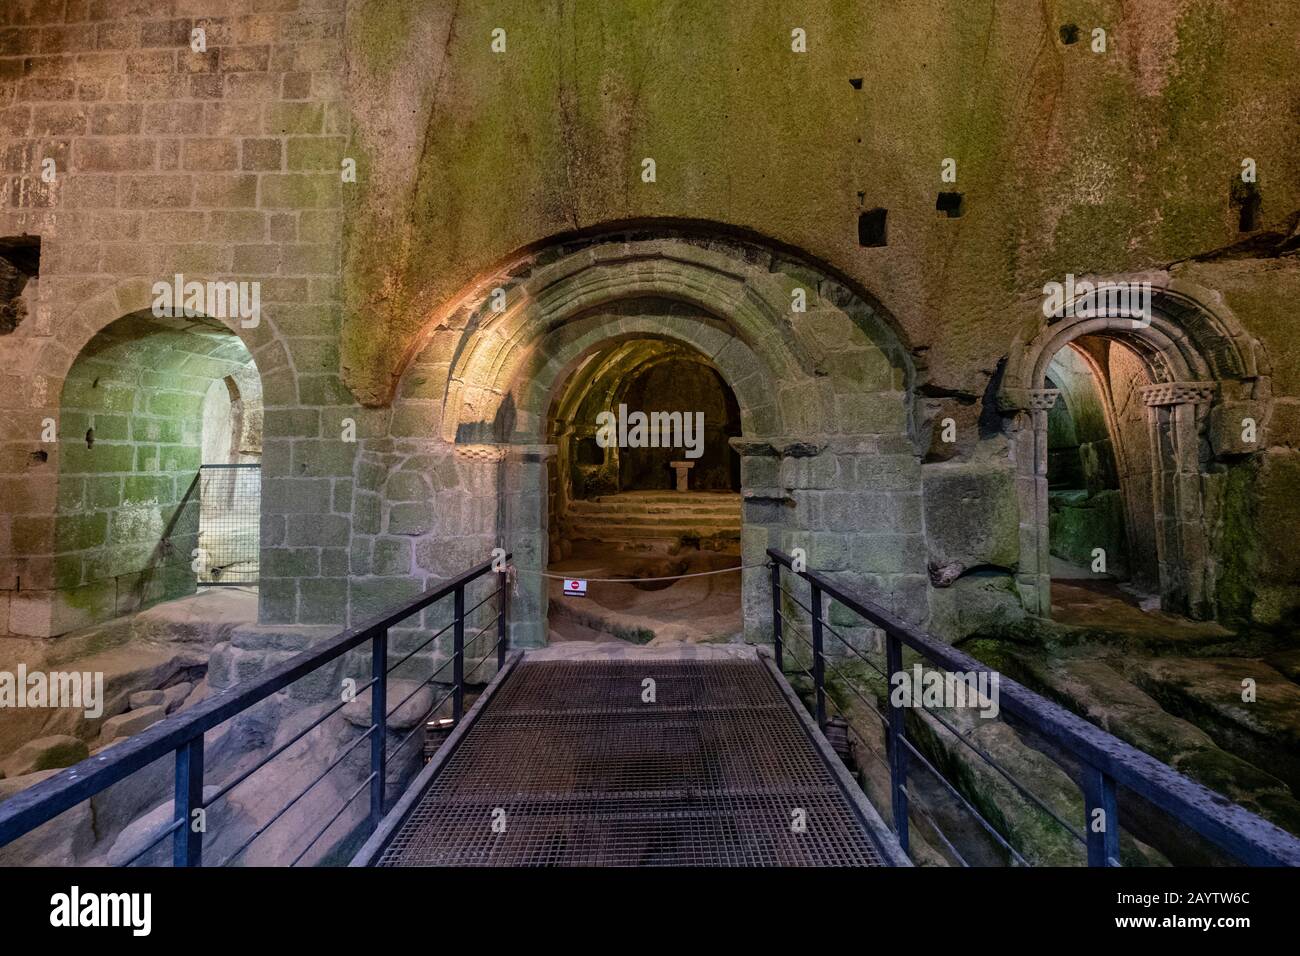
390, 458
219, 164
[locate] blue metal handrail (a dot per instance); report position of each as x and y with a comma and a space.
182, 733
1106, 761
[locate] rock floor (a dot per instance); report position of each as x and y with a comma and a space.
1222, 707
692, 610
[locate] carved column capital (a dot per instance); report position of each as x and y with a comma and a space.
1178, 393
491, 454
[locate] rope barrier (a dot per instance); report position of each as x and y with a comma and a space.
667, 577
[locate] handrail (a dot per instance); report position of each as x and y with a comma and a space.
182, 733
1107, 760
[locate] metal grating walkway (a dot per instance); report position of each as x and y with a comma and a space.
577, 771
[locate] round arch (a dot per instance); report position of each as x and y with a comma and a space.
819, 378
138, 406
53, 360
1194, 357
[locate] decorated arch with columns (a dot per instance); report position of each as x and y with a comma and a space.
827, 443
1206, 387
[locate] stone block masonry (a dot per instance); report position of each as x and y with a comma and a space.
134, 153
219, 164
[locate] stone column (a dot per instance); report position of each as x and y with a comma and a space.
1175, 411
522, 526
1029, 449
763, 504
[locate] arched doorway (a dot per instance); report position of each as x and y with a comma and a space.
142, 405
1157, 382
645, 483
1099, 471
821, 385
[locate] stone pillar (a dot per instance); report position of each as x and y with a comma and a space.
1029, 448
763, 503
522, 528
1175, 413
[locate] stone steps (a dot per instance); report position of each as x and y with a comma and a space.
658, 516
1185, 711
658, 521
606, 532
584, 508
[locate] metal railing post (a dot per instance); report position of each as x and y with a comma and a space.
458, 662
777, 633
187, 842
378, 724
819, 659
1101, 818
502, 605
897, 754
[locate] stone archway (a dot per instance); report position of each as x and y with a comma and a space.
601, 383
36, 608
1204, 372
823, 395
135, 421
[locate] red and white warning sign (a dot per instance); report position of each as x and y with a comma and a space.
575, 587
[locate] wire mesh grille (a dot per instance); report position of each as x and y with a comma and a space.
229, 523
567, 766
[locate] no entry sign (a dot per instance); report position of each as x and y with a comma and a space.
575, 587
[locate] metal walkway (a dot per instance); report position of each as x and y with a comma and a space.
564, 763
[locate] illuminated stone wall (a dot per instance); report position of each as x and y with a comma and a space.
405, 421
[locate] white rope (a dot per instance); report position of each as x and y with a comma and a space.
667, 577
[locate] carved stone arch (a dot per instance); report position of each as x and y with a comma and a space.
1184, 339
817, 392
1194, 357
741, 309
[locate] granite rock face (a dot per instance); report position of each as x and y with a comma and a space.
44, 753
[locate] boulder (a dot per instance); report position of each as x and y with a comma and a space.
45, 753
1262, 726
63, 841
12, 785
974, 604
132, 722
224, 832
1286, 662
125, 669
117, 806
199, 693
145, 698
405, 717
174, 696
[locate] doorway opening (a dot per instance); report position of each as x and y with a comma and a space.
645, 485
146, 407
1101, 519
230, 481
